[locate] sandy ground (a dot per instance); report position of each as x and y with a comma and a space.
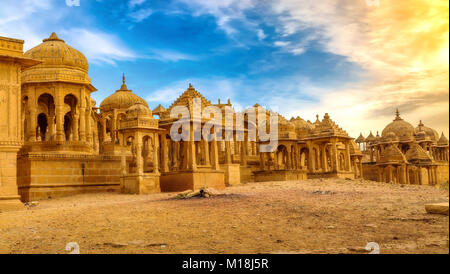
312, 216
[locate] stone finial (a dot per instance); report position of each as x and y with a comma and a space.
124, 86
397, 115
53, 37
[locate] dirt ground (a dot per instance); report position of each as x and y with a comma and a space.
312, 216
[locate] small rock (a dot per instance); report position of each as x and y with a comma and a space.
117, 245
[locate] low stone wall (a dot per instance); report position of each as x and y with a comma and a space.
185, 180
43, 176
442, 173
141, 184
332, 174
370, 171
280, 175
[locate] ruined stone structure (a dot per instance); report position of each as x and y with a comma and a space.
406, 155
59, 143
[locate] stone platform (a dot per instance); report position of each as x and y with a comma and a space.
185, 180
141, 183
279, 175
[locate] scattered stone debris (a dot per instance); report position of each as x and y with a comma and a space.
116, 245
320, 192
440, 208
201, 193
135, 243
31, 204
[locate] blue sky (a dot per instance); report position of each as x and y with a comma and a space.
292, 56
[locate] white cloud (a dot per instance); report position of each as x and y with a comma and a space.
133, 3
281, 43
225, 11
97, 46
261, 35
141, 14
170, 56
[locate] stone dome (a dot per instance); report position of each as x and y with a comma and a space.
390, 137
60, 62
121, 99
138, 109
370, 138
443, 141
54, 52
400, 128
431, 133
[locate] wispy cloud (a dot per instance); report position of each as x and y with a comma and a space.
140, 14
133, 3
97, 46
169, 55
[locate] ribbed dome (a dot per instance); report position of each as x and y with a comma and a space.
400, 128
370, 138
360, 139
121, 99
434, 136
138, 109
54, 52
443, 140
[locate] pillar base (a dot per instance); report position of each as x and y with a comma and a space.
10, 203
232, 174
145, 183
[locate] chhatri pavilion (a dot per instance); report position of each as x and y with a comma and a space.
405, 154
55, 141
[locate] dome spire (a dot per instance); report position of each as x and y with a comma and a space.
53, 37
397, 115
124, 86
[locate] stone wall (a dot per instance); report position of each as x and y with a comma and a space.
47, 176
442, 173
370, 171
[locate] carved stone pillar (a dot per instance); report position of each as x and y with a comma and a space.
335, 158
82, 133
243, 154
76, 118
165, 154
228, 159
59, 123
347, 156
206, 153
310, 157
192, 162
155, 154
215, 153
33, 124
262, 163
